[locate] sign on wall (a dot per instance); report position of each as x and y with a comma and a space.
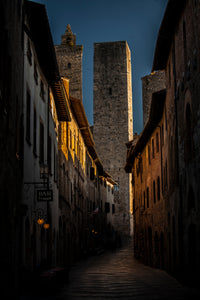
45, 195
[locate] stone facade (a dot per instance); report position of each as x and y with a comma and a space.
113, 121
149, 183
69, 57
176, 244
84, 188
151, 83
42, 109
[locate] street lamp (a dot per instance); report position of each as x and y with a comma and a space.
46, 226
40, 221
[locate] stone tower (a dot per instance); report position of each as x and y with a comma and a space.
150, 84
113, 120
69, 57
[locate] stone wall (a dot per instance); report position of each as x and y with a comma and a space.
113, 123
176, 244
150, 84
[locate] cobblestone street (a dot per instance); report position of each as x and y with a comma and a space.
116, 275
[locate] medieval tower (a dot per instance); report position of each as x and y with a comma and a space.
113, 120
69, 57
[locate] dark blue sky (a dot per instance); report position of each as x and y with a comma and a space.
136, 21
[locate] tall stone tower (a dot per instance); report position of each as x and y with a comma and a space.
150, 84
113, 120
69, 57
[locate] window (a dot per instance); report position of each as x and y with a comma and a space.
165, 176
41, 142
49, 156
55, 165
110, 91
153, 152
116, 188
157, 142
42, 89
28, 116
158, 188
29, 53
107, 207
149, 154
35, 73
35, 132
113, 209
69, 65
154, 191
147, 197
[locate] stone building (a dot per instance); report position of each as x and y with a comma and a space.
69, 57
177, 52
43, 107
113, 120
145, 162
11, 95
85, 189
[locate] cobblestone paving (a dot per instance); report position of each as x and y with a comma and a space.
118, 275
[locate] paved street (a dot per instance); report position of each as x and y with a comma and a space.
116, 275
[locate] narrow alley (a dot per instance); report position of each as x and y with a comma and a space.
117, 275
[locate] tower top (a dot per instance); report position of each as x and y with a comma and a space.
68, 38
68, 29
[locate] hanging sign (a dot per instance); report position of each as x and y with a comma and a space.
45, 195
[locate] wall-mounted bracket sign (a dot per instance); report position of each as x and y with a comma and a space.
44, 195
